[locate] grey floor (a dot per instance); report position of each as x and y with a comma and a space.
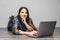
5, 35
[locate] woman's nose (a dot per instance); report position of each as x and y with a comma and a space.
24, 13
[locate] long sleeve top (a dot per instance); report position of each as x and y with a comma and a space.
15, 24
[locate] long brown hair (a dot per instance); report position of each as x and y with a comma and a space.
19, 18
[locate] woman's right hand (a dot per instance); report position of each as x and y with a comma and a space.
33, 33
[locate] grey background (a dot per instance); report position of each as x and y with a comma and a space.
40, 10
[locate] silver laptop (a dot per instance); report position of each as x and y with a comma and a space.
46, 28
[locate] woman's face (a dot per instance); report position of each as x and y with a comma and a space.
23, 13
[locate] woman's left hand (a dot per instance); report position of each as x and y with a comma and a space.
24, 20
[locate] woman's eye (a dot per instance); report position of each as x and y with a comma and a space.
26, 12
22, 12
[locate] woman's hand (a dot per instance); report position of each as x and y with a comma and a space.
33, 33
23, 20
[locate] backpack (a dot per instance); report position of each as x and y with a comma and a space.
10, 23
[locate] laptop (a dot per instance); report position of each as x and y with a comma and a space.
46, 28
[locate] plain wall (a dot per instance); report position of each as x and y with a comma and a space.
40, 10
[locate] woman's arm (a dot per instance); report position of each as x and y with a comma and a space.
15, 26
28, 33
29, 26
16, 31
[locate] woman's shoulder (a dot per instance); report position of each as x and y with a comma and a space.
16, 18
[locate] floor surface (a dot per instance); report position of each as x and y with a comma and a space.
5, 35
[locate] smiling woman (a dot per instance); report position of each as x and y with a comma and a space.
22, 23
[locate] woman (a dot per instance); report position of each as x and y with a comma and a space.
23, 23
